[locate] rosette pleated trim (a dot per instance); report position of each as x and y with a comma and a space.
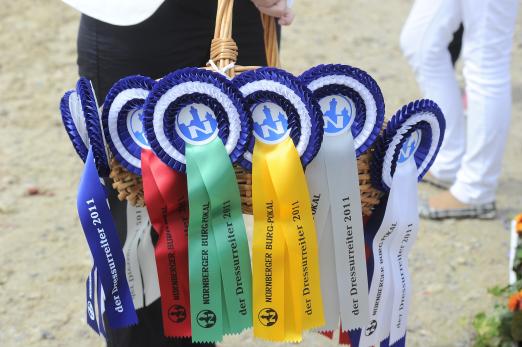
423, 116
94, 128
125, 99
304, 115
74, 123
194, 86
360, 88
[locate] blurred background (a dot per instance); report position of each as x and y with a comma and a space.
44, 258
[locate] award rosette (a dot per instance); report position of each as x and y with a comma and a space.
353, 111
122, 120
403, 155
122, 123
89, 106
80, 116
74, 122
196, 123
288, 129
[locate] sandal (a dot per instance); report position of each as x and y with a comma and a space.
456, 209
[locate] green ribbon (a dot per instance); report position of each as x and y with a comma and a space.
214, 194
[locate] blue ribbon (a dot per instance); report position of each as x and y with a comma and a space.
100, 298
90, 288
105, 246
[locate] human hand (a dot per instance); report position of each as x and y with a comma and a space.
276, 8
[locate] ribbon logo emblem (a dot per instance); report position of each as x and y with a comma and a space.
177, 313
197, 124
371, 328
270, 123
135, 127
90, 310
268, 317
206, 319
338, 113
410, 146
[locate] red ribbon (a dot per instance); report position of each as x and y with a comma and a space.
344, 336
166, 198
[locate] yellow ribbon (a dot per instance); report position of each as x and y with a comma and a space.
287, 294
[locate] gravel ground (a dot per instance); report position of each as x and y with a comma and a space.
44, 258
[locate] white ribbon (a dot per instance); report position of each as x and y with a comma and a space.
401, 245
222, 71
139, 258
333, 183
401, 210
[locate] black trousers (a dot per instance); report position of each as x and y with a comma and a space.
177, 35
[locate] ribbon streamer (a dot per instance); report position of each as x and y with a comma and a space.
208, 308
195, 121
141, 270
287, 296
105, 246
334, 188
166, 200
400, 248
81, 120
212, 164
353, 112
390, 288
413, 137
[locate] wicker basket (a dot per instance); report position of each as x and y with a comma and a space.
223, 52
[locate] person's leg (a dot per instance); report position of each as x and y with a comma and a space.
487, 48
424, 40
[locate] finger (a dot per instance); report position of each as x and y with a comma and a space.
287, 18
264, 3
277, 10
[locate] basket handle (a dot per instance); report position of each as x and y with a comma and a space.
223, 49
271, 44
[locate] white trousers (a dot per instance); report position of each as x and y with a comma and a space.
472, 150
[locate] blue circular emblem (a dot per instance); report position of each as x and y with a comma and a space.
281, 106
362, 96
410, 146
197, 124
338, 114
270, 123
136, 129
122, 120
195, 106
416, 131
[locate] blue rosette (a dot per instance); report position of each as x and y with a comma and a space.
122, 120
417, 130
89, 107
348, 94
74, 122
281, 102
195, 105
